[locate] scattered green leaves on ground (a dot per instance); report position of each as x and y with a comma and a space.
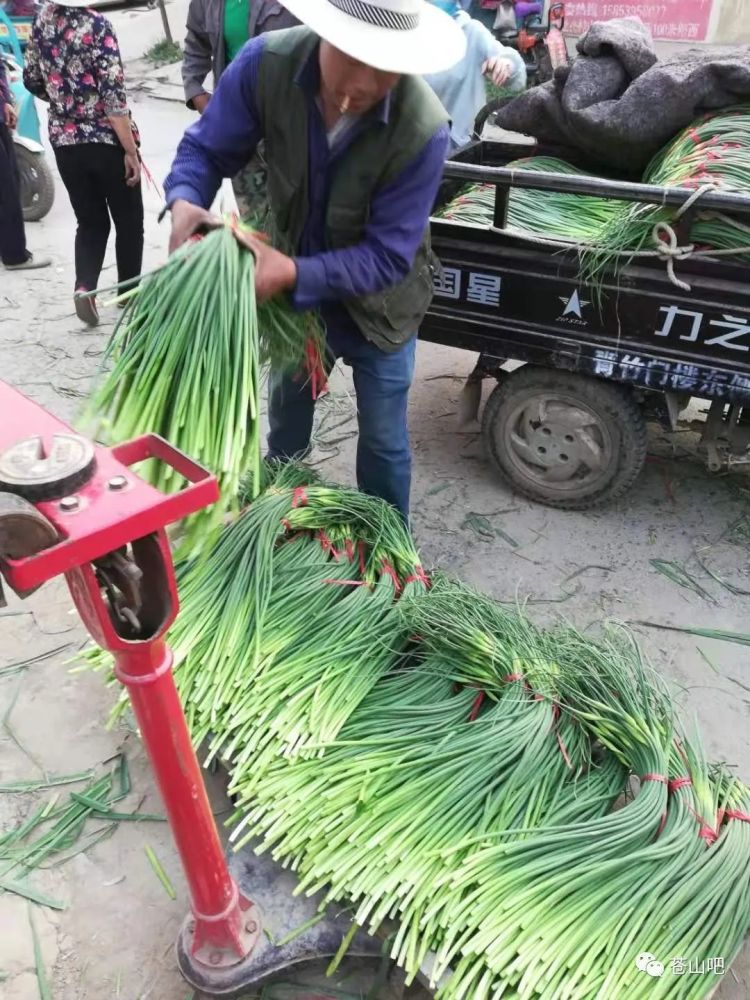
63, 826
159, 872
164, 52
41, 975
679, 575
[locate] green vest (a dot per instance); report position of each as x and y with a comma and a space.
375, 158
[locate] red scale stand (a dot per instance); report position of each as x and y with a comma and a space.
72, 508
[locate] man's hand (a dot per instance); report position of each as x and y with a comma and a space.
187, 220
132, 169
11, 118
274, 271
200, 101
498, 70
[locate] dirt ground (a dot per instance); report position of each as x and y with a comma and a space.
115, 937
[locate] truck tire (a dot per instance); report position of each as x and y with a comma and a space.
564, 440
37, 184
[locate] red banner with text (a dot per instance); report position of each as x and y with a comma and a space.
669, 20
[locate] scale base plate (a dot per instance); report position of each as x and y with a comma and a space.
271, 888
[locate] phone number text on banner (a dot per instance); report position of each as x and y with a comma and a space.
670, 20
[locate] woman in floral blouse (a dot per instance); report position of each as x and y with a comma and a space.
73, 62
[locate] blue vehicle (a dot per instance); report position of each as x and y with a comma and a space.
37, 180
20, 13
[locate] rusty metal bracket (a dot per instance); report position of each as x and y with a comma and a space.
122, 580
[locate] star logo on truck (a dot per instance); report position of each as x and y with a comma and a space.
574, 305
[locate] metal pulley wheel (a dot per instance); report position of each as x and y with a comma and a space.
29, 474
23, 532
35, 473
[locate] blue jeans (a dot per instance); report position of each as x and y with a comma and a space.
382, 384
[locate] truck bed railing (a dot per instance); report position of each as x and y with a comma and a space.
505, 178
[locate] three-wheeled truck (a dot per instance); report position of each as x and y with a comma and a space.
568, 427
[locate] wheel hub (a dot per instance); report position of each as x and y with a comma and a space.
29, 184
557, 442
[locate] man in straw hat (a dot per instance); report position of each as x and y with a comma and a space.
355, 145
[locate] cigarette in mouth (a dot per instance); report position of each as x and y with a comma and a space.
344, 106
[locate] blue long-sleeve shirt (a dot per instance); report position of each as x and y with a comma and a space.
223, 141
461, 88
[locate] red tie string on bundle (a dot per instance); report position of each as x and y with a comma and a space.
477, 706
328, 547
677, 783
299, 497
556, 713
150, 179
325, 542
418, 576
706, 832
388, 570
662, 780
674, 785
315, 369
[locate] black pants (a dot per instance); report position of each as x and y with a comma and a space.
94, 174
12, 235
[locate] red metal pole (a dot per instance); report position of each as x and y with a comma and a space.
225, 925
219, 911
104, 530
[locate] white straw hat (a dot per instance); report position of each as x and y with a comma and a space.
398, 36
